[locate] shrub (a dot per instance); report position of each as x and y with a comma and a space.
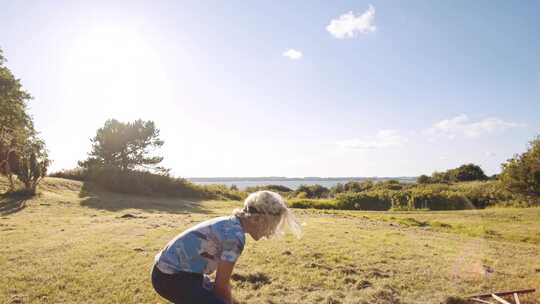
423, 179
440, 177
79, 174
468, 172
437, 197
313, 191
276, 188
485, 194
401, 200
466, 195
359, 186
301, 195
521, 174
142, 182
351, 186
389, 185
354, 186
33, 164
463, 173
363, 201
336, 189
220, 192
312, 203
447, 200
148, 183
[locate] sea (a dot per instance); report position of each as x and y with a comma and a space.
292, 183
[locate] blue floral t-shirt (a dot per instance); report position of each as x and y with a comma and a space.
200, 248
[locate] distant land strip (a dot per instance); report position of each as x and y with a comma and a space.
310, 178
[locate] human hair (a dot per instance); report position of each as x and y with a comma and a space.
272, 205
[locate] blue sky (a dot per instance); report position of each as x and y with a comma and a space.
392, 89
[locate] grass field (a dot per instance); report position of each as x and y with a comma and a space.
76, 244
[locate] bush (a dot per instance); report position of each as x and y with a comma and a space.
354, 186
145, 183
390, 185
463, 173
466, 173
401, 200
313, 203
148, 183
336, 189
220, 192
363, 201
423, 179
459, 196
33, 163
445, 200
276, 188
313, 191
485, 194
521, 174
351, 186
79, 174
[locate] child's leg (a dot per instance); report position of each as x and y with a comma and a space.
184, 288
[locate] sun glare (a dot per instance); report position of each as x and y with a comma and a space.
114, 73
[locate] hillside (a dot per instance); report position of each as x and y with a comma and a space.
74, 243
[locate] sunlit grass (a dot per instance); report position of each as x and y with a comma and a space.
72, 246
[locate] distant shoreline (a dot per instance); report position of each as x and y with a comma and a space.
278, 179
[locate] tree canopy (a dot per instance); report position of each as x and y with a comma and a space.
33, 162
15, 123
463, 173
468, 172
125, 146
22, 153
423, 179
521, 174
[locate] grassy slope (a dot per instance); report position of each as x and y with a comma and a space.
70, 245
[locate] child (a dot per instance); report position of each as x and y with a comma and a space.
180, 269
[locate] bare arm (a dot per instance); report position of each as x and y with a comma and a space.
223, 281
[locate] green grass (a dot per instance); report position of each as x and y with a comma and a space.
71, 244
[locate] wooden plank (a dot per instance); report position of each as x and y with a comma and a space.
516, 298
503, 301
481, 301
503, 293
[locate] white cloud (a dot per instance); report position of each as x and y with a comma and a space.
491, 154
383, 139
348, 25
293, 54
461, 125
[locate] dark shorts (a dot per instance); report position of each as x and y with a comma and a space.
183, 288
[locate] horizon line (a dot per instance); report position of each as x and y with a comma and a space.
303, 178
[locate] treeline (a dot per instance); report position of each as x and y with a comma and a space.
464, 187
464, 173
23, 156
399, 196
393, 195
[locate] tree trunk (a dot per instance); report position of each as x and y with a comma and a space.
10, 179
